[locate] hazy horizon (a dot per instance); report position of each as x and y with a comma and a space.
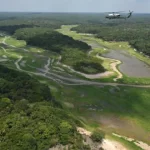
68, 12
75, 6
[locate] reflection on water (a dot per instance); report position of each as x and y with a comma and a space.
130, 66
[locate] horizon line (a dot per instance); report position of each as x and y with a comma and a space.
64, 12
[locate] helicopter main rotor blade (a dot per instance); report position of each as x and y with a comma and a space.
130, 11
114, 12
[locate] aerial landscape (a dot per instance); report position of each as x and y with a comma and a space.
75, 80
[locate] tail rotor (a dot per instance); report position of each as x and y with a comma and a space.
130, 11
130, 14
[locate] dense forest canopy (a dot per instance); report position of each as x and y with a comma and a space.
36, 126
17, 85
12, 28
48, 39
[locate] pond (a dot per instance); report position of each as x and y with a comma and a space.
131, 66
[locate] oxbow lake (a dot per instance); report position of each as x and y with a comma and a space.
131, 66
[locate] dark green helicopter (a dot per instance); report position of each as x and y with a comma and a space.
117, 15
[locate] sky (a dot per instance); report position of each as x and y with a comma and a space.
139, 6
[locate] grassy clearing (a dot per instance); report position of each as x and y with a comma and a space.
2, 52
91, 102
35, 49
36, 61
1, 39
14, 42
106, 62
133, 80
12, 54
99, 51
127, 144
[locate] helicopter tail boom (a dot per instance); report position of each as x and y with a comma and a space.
130, 14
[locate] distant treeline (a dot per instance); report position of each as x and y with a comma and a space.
11, 25
12, 28
137, 34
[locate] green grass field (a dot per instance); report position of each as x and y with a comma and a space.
122, 104
14, 42
127, 144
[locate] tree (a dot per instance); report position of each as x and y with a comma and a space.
28, 142
97, 136
4, 102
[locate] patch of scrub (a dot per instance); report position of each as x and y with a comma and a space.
59, 147
69, 105
4, 56
1, 60
23, 63
114, 89
106, 143
88, 76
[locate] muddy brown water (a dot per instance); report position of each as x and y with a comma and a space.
131, 66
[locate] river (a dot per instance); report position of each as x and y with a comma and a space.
131, 66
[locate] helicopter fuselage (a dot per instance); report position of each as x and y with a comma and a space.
113, 16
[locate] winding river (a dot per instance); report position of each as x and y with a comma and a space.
131, 66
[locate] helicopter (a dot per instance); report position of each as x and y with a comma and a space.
117, 15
